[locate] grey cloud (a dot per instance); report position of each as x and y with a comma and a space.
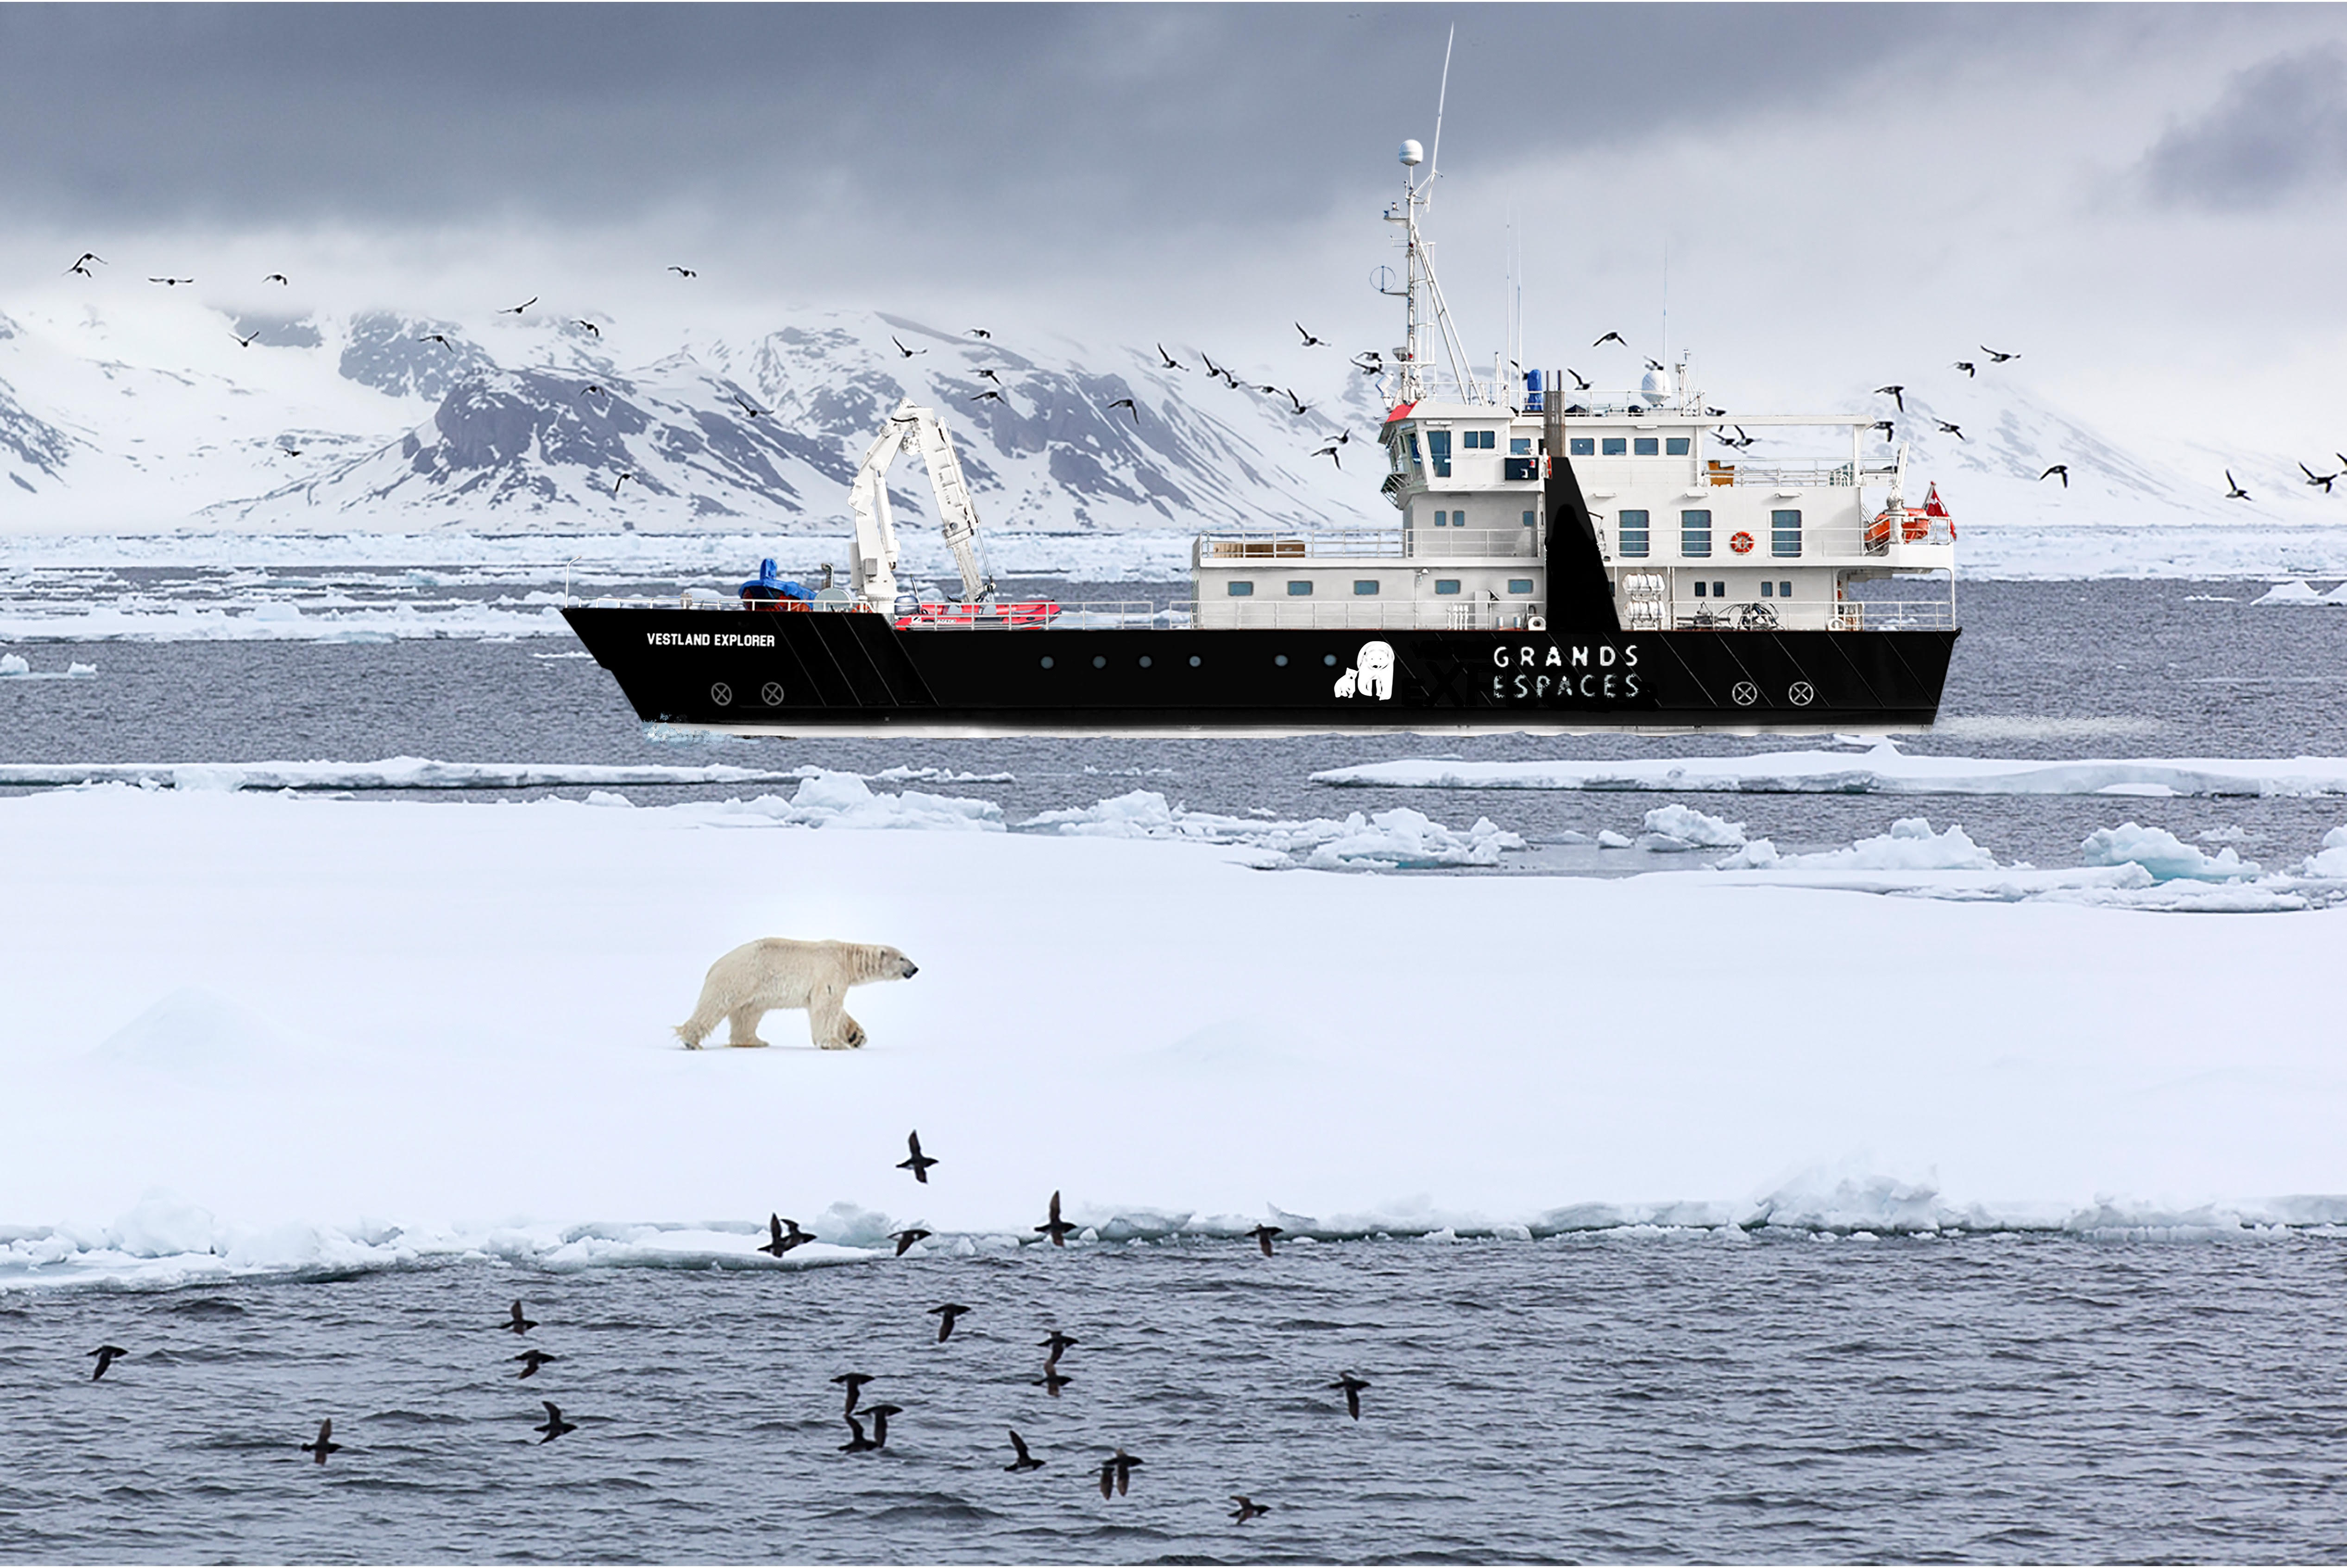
937, 117
2280, 131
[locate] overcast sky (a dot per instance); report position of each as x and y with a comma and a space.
2150, 202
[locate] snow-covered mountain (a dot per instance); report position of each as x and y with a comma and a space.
155, 414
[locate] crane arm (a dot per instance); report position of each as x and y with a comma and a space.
875, 577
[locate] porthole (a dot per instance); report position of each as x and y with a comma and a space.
1281, 660
1100, 661
722, 694
1144, 661
1046, 661
1329, 659
770, 694
1195, 662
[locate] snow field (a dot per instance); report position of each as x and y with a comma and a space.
256, 1033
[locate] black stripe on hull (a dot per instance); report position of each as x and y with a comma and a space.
804, 673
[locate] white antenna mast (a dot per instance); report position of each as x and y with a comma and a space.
1443, 95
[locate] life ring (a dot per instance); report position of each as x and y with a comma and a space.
1741, 542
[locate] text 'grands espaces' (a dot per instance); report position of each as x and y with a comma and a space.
710, 638
1583, 670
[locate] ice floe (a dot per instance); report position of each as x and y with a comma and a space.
2296, 594
1387, 839
1884, 769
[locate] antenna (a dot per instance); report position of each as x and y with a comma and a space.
1435, 166
1666, 355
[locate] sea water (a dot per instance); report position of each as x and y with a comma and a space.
1638, 1395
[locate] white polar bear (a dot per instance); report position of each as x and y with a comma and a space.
1374, 677
772, 972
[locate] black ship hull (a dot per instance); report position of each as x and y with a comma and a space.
852, 673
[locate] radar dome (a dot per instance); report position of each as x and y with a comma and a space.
1412, 154
1656, 388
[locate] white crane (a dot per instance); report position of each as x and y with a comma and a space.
874, 575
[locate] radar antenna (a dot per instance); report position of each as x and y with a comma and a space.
1418, 197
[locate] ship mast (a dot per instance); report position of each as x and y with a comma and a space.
1430, 318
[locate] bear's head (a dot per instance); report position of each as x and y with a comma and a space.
1376, 658
888, 964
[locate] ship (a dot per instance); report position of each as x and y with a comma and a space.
1558, 561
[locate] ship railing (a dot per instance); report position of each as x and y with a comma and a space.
1787, 475
1460, 614
1239, 548
1894, 615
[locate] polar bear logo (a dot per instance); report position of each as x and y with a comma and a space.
1372, 675
772, 972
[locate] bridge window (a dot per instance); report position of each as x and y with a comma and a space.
1646, 446
1446, 585
1674, 446
1520, 445
1438, 449
1784, 533
1482, 440
1784, 591
1532, 519
1632, 534
1617, 447
1768, 588
1365, 587
1582, 445
1702, 588
1240, 590
1299, 588
1519, 585
1695, 534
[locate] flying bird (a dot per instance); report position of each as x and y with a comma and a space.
682, 271
855, 1381
2233, 491
2061, 468
81, 263
1025, 1460
440, 338
1579, 383
780, 1241
1890, 432
593, 389
981, 331
880, 1414
1996, 357
1212, 368
1053, 1379
1948, 429
1968, 367
278, 278
1352, 1386
170, 283
554, 1426
947, 1316
106, 1356
1897, 395
1247, 1509
1654, 365
1610, 337
592, 330
988, 396
1266, 390
1116, 1474
324, 1445
1309, 340
517, 1323
750, 408
1055, 1227
289, 451
1127, 405
989, 376
517, 310
2314, 478
532, 1360
248, 341
615, 490
857, 1443
1263, 1235
1057, 1344
905, 1239
1171, 363
1302, 407
1330, 452
908, 352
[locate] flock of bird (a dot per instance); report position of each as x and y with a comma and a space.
1115, 1476
1369, 363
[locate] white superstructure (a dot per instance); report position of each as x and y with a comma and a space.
1693, 534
